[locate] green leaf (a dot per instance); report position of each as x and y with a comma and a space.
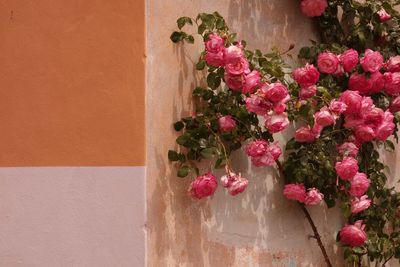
178, 126
177, 36
208, 153
389, 146
183, 21
183, 139
183, 171
173, 155
189, 39
201, 64
213, 80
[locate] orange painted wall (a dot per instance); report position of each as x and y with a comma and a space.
72, 82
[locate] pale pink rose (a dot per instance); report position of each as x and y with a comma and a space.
359, 82
353, 235
295, 192
251, 82
347, 168
258, 105
238, 67
377, 81
337, 107
353, 101
233, 53
349, 60
372, 61
305, 135
348, 149
215, 59
360, 204
395, 106
386, 127
392, 83
273, 152
359, 184
234, 82
308, 92
275, 92
256, 148
276, 122
383, 15
364, 133
215, 43
314, 197
226, 123
324, 117
393, 64
306, 76
328, 62
226, 180
203, 186
238, 186
313, 8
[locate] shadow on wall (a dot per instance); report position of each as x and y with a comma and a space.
258, 227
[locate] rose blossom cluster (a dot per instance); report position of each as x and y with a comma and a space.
299, 193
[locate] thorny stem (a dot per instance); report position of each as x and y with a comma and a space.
310, 221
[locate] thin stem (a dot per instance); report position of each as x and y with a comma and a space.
310, 221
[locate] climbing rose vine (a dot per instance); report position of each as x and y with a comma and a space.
343, 99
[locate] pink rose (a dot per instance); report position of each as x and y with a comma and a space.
233, 53
308, 92
215, 59
374, 116
386, 127
360, 204
275, 92
353, 101
316, 130
349, 59
324, 117
353, 120
359, 82
306, 76
395, 106
238, 186
392, 83
203, 186
272, 153
372, 61
295, 192
353, 235
238, 67
365, 133
377, 81
359, 184
313, 8
280, 106
313, 197
305, 135
226, 180
234, 82
383, 15
258, 105
275, 151
257, 148
393, 64
328, 62
215, 43
251, 82
347, 168
348, 149
276, 122
337, 107
226, 123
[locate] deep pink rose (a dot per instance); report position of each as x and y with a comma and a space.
238, 67
234, 82
353, 120
295, 192
275, 92
203, 186
347, 168
308, 92
215, 43
377, 81
348, 149
383, 15
305, 135
313, 197
328, 62
258, 105
349, 60
386, 127
251, 82
215, 59
256, 148
393, 64
233, 53
306, 76
280, 107
392, 83
324, 117
238, 186
337, 107
395, 106
360, 204
359, 184
364, 133
276, 122
226, 123
313, 8
359, 82
353, 101
372, 61
374, 116
353, 235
